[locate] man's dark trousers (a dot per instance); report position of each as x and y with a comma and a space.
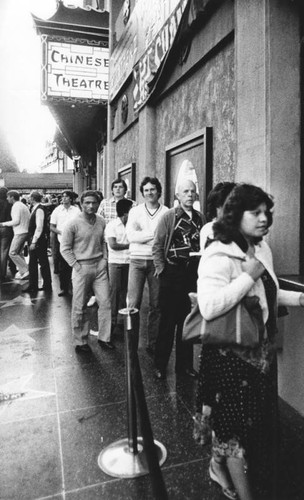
65, 273
176, 282
39, 255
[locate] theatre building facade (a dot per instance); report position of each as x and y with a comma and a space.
212, 90
74, 84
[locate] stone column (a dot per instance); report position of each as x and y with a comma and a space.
267, 60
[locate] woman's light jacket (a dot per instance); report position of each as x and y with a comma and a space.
222, 283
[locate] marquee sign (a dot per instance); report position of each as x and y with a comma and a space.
76, 72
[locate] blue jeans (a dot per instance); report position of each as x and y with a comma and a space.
141, 270
91, 276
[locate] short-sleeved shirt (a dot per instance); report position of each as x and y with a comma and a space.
116, 229
61, 216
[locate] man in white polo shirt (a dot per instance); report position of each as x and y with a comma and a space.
20, 215
59, 219
118, 257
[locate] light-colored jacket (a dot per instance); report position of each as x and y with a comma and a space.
222, 283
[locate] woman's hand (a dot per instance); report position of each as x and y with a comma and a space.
253, 267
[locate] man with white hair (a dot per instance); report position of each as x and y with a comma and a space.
177, 236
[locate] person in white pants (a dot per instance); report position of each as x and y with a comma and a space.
20, 215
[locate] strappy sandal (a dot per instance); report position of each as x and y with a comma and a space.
228, 491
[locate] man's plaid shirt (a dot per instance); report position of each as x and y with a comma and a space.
107, 209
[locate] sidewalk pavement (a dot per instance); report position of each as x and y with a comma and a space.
59, 410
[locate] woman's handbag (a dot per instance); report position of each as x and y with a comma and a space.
242, 325
192, 329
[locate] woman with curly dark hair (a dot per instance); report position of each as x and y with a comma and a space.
215, 201
237, 389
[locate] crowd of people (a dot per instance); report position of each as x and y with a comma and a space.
25, 229
106, 250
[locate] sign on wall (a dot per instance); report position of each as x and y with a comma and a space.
77, 71
141, 30
148, 64
124, 57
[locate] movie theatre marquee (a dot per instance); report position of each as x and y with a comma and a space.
75, 72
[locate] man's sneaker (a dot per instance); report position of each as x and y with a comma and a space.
94, 332
92, 301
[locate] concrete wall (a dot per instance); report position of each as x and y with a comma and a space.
207, 100
290, 359
268, 148
247, 88
125, 151
268, 115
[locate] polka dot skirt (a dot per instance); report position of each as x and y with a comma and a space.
243, 402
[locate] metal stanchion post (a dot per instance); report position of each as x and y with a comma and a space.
131, 405
152, 451
127, 457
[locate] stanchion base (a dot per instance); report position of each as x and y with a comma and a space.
118, 461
